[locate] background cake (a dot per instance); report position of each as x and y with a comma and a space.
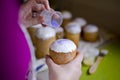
67, 17
32, 30
59, 33
90, 33
72, 32
44, 37
80, 21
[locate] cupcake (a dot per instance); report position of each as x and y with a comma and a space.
72, 32
67, 16
32, 31
44, 37
59, 33
62, 51
90, 33
82, 22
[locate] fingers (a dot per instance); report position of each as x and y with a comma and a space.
25, 10
38, 8
45, 2
33, 20
28, 5
78, 58
50, 62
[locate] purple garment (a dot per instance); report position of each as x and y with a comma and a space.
14, 51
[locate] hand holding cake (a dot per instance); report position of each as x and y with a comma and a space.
62, 51
69, 71
65, 62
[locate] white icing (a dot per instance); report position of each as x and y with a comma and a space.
104, 51
66, 15
59, 29
45, 32
37, 26
81, 21
91, 28
63, 46
91, 52
73, 28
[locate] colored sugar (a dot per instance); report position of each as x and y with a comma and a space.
55, 23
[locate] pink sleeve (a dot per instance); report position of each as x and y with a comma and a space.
15, 53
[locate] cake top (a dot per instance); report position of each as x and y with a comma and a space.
45, 32
59, 29
81, 21
63, 46
91, 28
37, 26
91, 52
73, 28
66, 15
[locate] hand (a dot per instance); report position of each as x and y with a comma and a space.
69, 71
45, 2
26, 17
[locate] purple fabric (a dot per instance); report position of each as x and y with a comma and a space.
14, 51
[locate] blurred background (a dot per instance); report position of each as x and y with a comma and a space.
104, 13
